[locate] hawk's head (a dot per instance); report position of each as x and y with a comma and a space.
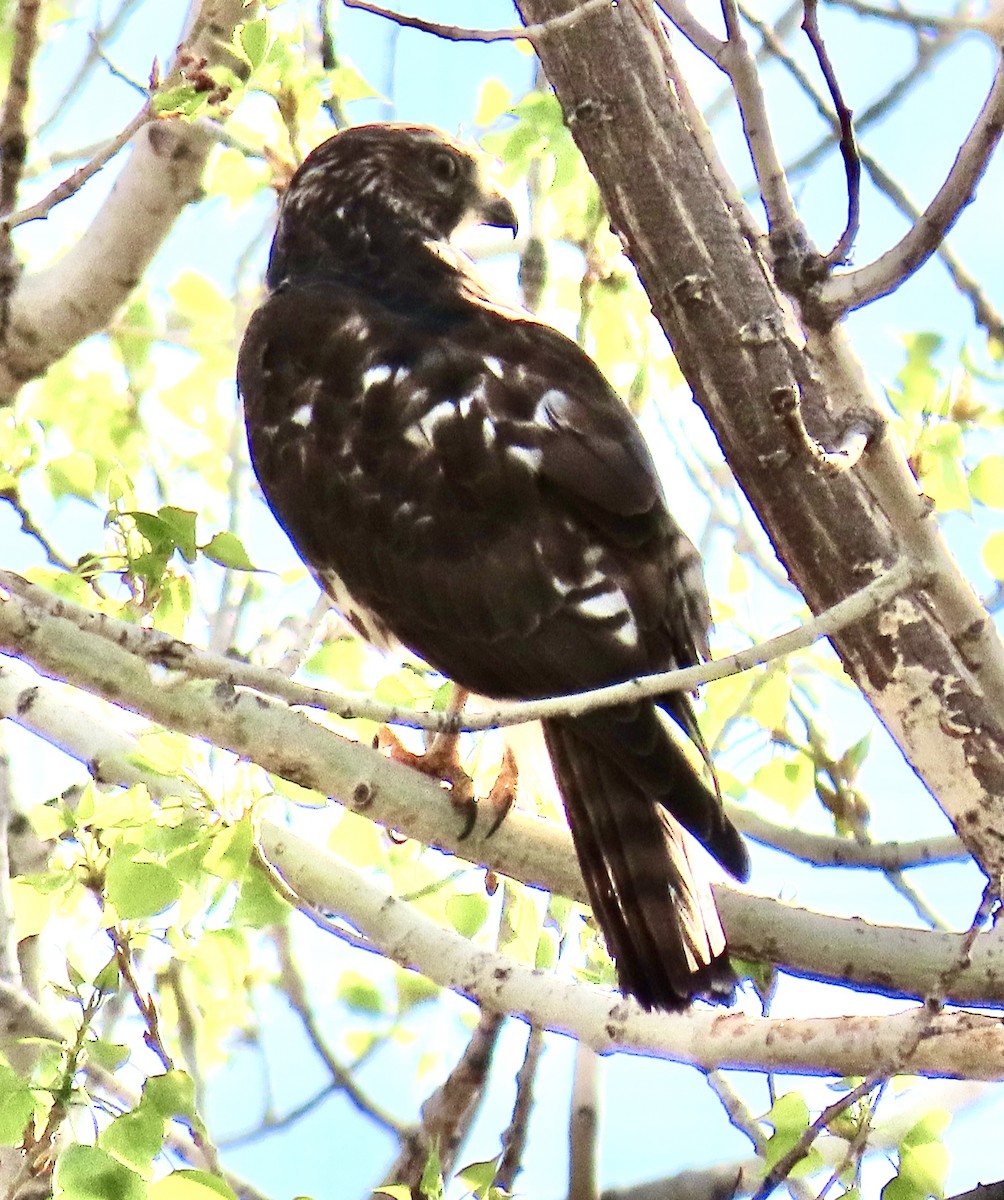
374, 191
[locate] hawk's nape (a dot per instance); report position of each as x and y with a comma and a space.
462, 479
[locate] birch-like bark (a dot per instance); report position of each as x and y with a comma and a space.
538, 852
54, 309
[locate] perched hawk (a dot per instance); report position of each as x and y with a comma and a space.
462, 479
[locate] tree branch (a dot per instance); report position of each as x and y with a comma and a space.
449, 1113
162, 650
984, 312
538, 852
827, 850
461, 33
678, 14
790, 242
855, 289
54, 309
584, 1126
958, 1044
13, 140
514, 1138
10, 971
848, 147
73, 183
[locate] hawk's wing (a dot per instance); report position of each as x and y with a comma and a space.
477, 484
468, 482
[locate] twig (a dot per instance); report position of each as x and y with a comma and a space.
848, 148
12, 497
292, 985
928, 51
584, 1127
277, 1124
854, 289
73, 183
143, 1000
986, 315
460, 33
795, 257
514, 1138
162, 650
98, 37
857, 1146
742, 1119
788, 20
926, 1015
861, 430
903, 16
10, 971
329, 62
780, 1171
449, 1112
13, 140
679, 15
31, 1021
186, 1023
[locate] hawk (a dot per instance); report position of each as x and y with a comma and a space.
462, 479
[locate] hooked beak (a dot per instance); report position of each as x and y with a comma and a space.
495, 209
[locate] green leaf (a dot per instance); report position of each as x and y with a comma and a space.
787, 781
919, 380
230, 851
347, 84
74, 474
359, 993
467, 914
789, 1114
493, 100
479, 1177
986, 482
431, 1184
993, 554
184, 100
228, 550
171, 1094
413, 989
930, 1128
180, 523
396, 1191
139, 889
790, 1119
259, 905
90, 1173
546, 954
190, 1185
254, 42
17, 1106
135, 1138
110, 1055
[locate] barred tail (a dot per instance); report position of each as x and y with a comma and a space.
656, 912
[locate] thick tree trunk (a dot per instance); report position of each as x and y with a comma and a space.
930, 664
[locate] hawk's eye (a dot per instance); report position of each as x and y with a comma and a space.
443, 166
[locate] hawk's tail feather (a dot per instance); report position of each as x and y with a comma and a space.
658, 916
636, 737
